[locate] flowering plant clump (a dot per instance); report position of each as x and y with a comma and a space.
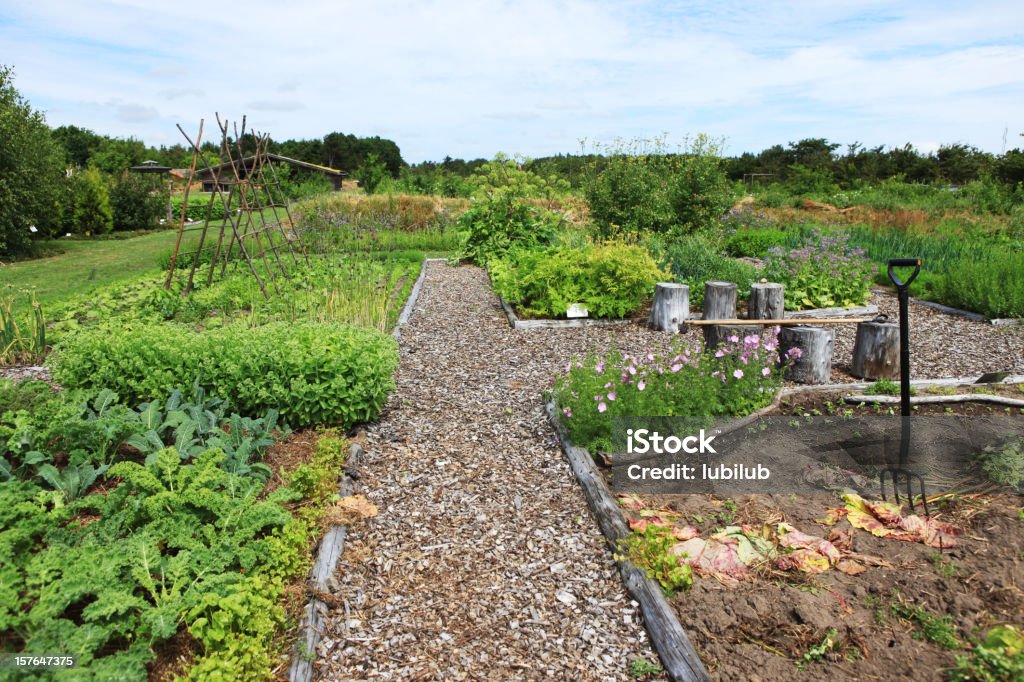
739, 377
824, 272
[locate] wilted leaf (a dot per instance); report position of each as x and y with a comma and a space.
358, 504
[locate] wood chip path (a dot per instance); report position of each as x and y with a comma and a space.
483, 562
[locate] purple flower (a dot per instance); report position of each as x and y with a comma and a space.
611, 397
765, 372
738, 374
641, 385
601, 407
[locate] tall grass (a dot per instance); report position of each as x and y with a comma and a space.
21, 340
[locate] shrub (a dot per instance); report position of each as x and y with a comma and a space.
92, 212
137, 202
641, 188
199, 207
312, 373
754, 243
31, 168
693, 260
502, 221
611, 279
824, 272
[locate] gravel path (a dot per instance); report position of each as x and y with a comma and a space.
483, 562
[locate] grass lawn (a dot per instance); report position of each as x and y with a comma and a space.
82, 265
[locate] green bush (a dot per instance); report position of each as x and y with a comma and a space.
502, 221
641, 188
611, 280
137, 202
329, 373
31, 172
824, 272
693, 260
754, 243
198, 208
92, 212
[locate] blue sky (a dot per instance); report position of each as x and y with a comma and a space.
529, 77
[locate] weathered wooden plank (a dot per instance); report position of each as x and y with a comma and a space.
789, 321
332, 545
857, 311
677, 654
937, 399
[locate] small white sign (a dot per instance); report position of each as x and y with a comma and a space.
577, 310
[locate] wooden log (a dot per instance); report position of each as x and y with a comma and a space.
876, 351
766, 301
784, 322
717, 334
719, 300
814, 366
671, 307
678, 656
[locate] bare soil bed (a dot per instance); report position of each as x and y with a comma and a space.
884, 623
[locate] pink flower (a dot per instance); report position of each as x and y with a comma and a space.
599, 367
765, 372
720, 353
611, 397
676, 367
631, 369
641, 385
734, 339
598, 398
738, 374
567, 412
601, 407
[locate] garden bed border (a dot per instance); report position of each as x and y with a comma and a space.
678, 656
516, 323
414, 295
331, 546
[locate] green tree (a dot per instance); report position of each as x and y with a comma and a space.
371, 174
79, 144
31, 166
93, 214
115, 155
137, 202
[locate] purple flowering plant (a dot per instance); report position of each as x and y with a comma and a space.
823, 272
690, 380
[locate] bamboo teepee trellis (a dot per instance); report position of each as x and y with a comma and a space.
257, 226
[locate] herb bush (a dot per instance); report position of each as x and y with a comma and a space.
611, 279
689, 381
639, 187
502, 221
326, 373
694, 260
824, 272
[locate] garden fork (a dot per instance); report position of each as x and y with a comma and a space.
901, 470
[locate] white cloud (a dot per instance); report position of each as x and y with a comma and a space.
534, 76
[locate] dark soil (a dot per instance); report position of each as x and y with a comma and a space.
766, 627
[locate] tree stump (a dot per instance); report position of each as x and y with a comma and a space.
717, 334
814, 366
876, 351
671, 307
719, 301
766, 301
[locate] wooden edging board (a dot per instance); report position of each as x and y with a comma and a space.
916, 383
329, 552
414, 295
678, 657
516, 323
974, 317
